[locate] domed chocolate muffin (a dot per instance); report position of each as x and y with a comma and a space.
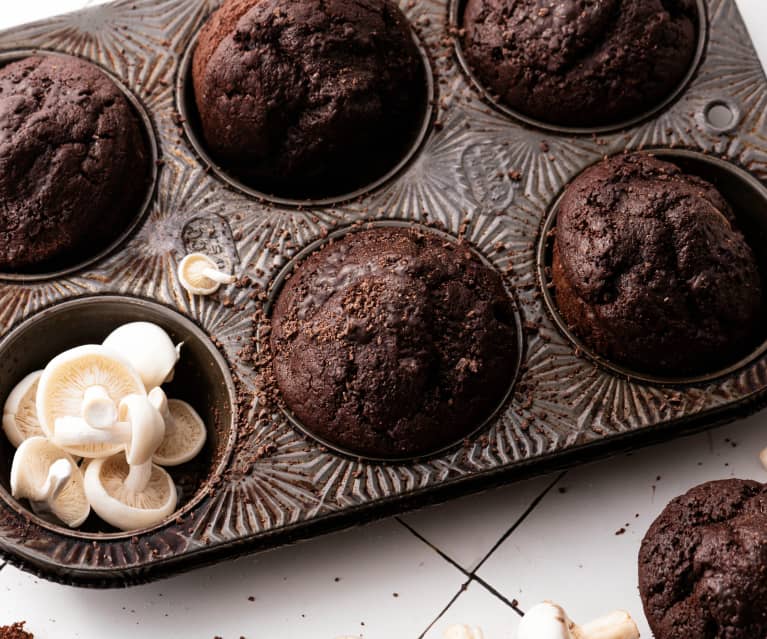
393, 342
703, 564
308, 97
577, 62
74, 165
651, 271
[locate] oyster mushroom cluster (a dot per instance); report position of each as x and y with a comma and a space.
94, 429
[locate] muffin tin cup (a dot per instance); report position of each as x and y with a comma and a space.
456, 10
147, 130
201, 374
276, 289
748, 197
475, 171
187, 109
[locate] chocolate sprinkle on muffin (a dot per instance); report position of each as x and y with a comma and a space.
651, 271
74, 165
308, 97
580, 62
703, 564
393, 342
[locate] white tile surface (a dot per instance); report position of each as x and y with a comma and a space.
566, 549
380, 576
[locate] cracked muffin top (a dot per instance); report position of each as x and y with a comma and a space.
308, 97
650, 269
393, 342
581, 62
703, 564
73, 162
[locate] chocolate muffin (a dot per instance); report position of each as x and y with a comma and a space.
74, 165
308, 97
651, 271
703, 564
579, 62
393, 342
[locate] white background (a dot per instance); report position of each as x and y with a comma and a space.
413, 576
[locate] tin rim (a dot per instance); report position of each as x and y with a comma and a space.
150, 137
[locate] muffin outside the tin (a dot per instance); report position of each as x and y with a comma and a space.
308, 97
74, 165
651, 271
393, 342
703, 564
577, 62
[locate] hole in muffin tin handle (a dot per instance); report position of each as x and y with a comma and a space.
721, 116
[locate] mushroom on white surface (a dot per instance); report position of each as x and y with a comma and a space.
463, 632
130, 492
148, 348
200, 275
50, 479
20, 413
66, 381
549, 621
185, 432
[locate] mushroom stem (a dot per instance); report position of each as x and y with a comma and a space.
98, 409
763, 458
219, 276
59, 475
138, 477
74, 431
616, 625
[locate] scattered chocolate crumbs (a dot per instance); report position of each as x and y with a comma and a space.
15, 631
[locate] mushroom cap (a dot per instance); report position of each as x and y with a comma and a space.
20, 413
62, 387
463, 632
192, 277
147, 428
148, 348
547, 620
186, 438
122, 508
29, 471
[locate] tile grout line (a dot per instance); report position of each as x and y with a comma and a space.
520, 520
472, 576
461, 590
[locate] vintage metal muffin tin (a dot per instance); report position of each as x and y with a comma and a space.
477, 171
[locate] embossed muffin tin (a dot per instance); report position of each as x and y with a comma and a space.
478, 172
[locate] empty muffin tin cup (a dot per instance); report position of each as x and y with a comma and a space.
190, 121
456, 11
63, 268
201, 378
514, 366
748, 198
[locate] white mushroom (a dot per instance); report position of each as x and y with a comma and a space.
98, 408
200, 275
549, 621
763, 458
66, 381
148, 348
130, 492
463, 632
106, 484
20, 414
139, 431
185, 432
50, 479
